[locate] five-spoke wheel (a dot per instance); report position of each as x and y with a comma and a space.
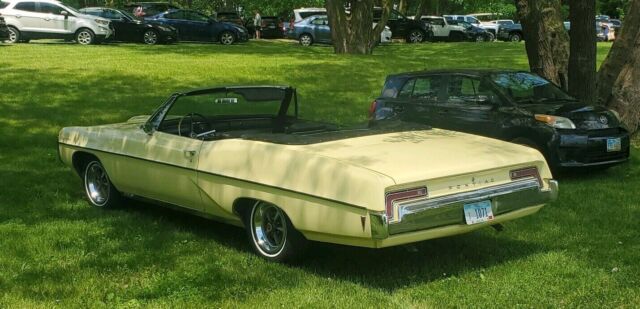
415, 36
227, 38
98, 187
272, 234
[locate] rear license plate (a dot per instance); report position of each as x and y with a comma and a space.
613, 144
478, 212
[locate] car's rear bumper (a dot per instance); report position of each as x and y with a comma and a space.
590, 149
444, 216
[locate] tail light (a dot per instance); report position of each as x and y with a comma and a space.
372, 109
393, 197
527, 172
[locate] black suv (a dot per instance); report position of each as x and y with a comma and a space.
4, 31
402, 27
514, 106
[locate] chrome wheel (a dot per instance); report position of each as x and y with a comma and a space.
84, 37
306, 40
515, 38
150, 37
14, 35
227, 38
97, 184
268, 229
416, 36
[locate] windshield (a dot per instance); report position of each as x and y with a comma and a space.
528, 88
123, 12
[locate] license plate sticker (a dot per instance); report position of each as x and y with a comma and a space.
478, 212
613, 144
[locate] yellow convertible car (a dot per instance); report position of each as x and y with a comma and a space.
241, 155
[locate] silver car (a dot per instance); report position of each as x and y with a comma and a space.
48, 19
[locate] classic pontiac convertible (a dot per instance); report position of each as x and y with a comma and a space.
241, 155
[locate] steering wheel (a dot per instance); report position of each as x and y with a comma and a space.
192, 132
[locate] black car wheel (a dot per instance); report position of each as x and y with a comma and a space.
150, 37
489, 37
305, 39
14, 35
515, 37
98, 187
85, 36
272, 235
415, 36
227, 38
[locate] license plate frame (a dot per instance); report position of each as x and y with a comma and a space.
614, 144
478, 212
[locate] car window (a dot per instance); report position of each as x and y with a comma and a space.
407, 89
3, 4
462, 90
111, 14
175, 15
49, 8
422, 88
25, 6
460, 18
320, 21
195, 16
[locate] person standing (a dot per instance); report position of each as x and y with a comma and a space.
257, 23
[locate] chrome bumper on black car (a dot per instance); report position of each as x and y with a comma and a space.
448, 210
590, 148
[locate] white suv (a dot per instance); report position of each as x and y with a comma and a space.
49, 19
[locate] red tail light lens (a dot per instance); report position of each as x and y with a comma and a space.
527, 172
372, 109
400, 196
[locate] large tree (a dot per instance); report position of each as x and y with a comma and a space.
352, 30
619, 75
546, 40
582, 56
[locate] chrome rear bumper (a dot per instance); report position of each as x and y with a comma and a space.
448, 210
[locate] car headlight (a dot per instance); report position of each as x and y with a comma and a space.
102, 22
556, 121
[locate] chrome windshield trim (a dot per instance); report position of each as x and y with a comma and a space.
480, 194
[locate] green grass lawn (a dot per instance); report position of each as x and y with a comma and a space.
56, 251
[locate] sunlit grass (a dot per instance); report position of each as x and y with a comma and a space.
581, 251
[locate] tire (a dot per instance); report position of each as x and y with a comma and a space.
14, 35
416, 36
85, 36
515, 37
489, 37
227, 38
272, 235
150, 37
98, 187
305, 39
480, 38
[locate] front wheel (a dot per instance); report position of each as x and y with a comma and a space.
415, 36
489, 37
227, 38
14, 35
515, 37
305, 40
150, 37
85, 37
272, 235
98, 187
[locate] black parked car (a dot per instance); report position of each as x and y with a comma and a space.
402, 27
473, 32
511, 33
514, 106
196, 26
129, 29
4, 31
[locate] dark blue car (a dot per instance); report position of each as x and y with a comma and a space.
195, 26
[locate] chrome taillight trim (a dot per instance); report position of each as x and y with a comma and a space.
476, 195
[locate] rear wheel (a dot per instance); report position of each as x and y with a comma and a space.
85, 37
515, 37
227, 38
150, 37
305, 39
14, 35
98, 187
272, 235
489, 37
416, 36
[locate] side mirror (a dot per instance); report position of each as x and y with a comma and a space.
65, 14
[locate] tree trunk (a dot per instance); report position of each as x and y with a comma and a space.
619, 75
421, 9
353, 32
545, 38
582, 57
402, 6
